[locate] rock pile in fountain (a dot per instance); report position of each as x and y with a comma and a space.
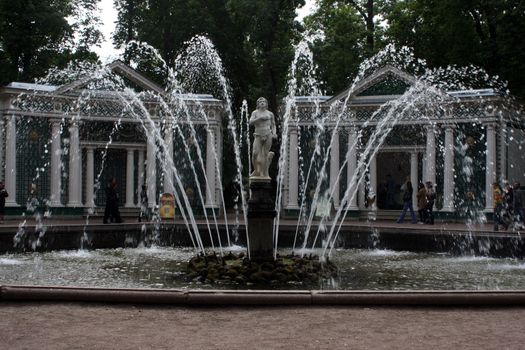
233, 268
262, 265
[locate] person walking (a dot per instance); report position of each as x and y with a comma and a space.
497, 201
407, 203
422, 202
111, 211
3, 196
431, 198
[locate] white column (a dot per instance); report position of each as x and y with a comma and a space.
414, 175
168, 159
2, 150
334, 169
10, 161
151, 169
130, 179
293, 170
211, 165
140, 179
351, 166
90, 177
448, 176
56, 174
503, 151
424, 169
75, 169
373, 181
490, 173
431, 156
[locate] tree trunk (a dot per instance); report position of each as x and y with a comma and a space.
368, 16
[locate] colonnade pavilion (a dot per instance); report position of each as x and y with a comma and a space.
63, 143
62, 148
462, 144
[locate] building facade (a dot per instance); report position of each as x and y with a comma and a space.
392, 130
60, 144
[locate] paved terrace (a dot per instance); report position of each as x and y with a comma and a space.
40, 325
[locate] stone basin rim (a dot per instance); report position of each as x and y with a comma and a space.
24, 293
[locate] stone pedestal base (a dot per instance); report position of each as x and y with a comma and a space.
261, 212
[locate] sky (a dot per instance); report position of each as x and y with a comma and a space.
108, 15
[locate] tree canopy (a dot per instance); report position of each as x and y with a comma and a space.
37, 35
255, 38
485, 33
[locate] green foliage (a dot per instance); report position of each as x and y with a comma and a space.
481, 32
254, 39
351, 31
36, 35
486, 33
270, 30
340, 51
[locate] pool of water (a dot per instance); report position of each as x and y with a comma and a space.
165, 268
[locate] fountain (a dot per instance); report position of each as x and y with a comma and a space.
261, 266
329, 173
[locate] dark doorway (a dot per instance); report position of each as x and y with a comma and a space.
392, 171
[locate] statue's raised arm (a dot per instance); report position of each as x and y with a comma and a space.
263, 122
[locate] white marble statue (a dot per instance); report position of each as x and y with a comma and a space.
264, 123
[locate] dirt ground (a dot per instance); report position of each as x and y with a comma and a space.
97, 326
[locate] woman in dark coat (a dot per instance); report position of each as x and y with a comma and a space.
111, 212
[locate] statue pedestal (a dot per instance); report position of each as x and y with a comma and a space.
261, 212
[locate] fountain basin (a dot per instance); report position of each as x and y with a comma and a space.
258, 297
165, 268
452, 238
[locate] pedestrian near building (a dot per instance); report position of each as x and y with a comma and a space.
431, 198
111, 212
497, 199
422, 202
3, 196
407, 203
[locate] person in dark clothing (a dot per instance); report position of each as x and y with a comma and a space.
431, 198
111, 211
144, 210
422, 202
3, 196
407, 203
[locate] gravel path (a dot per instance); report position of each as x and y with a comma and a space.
99, 326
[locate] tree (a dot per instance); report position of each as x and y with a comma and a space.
479, 32
38, 35
130, 14
366, 10
340, 50
270, 30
